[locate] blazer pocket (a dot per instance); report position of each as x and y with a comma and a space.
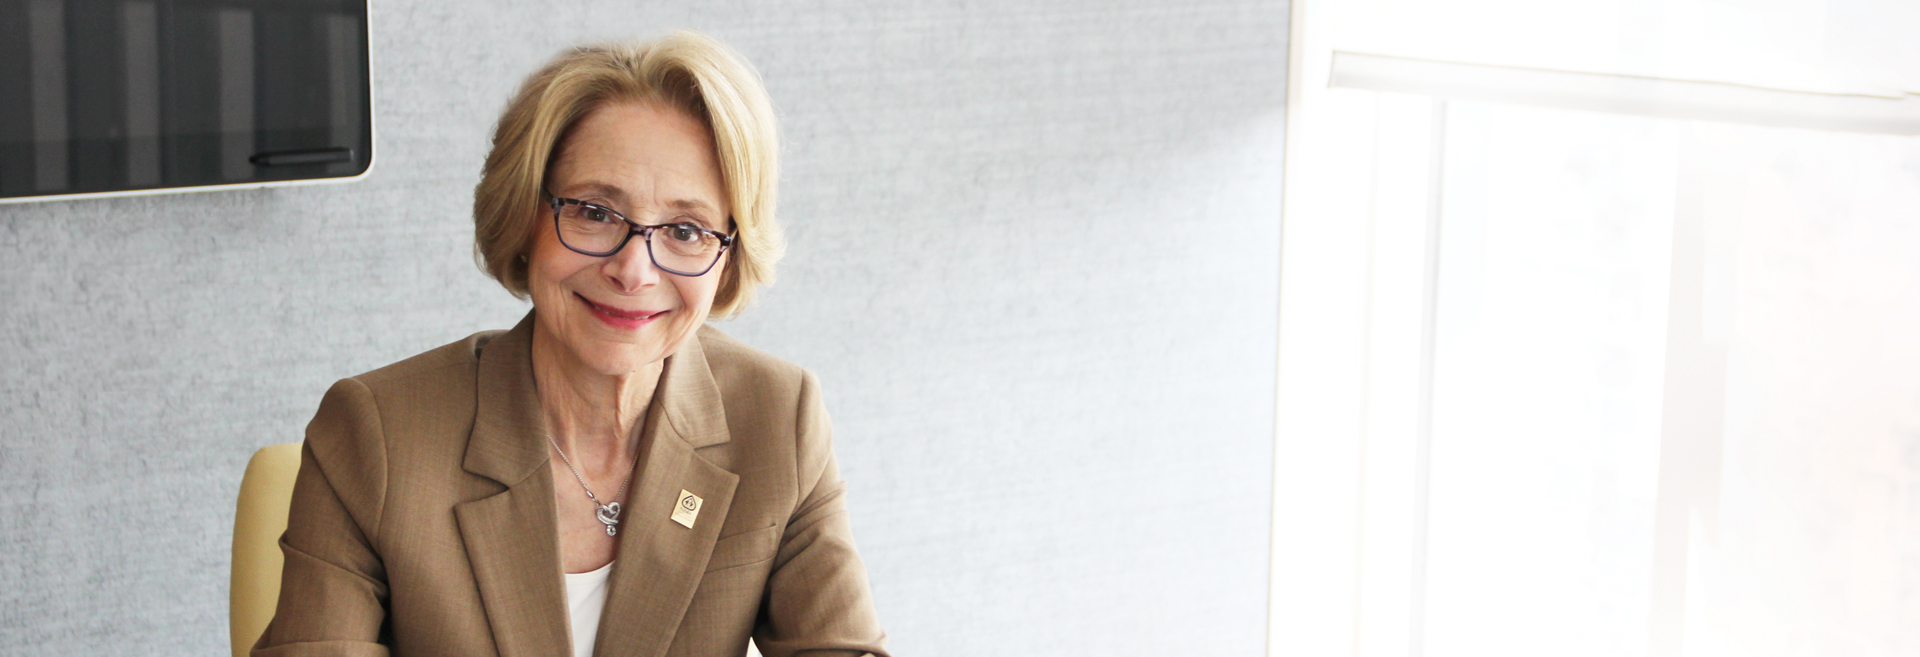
744, 548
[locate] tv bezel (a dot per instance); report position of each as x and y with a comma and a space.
373, 151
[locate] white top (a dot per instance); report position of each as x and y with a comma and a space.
586, 596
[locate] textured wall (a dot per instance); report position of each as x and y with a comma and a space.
1034, 261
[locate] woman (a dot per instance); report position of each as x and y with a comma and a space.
611, 476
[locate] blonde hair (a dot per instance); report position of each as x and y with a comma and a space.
684, 70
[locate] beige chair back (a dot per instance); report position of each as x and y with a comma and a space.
265, 492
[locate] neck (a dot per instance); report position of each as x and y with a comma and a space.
591, 414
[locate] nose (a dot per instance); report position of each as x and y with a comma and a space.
631, 270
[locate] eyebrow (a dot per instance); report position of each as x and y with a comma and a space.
691, 204
592, 188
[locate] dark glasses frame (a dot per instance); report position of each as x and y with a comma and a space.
645, 233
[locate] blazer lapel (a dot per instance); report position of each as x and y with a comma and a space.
511, 537
660, 561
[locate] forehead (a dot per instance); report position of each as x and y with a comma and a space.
640, 154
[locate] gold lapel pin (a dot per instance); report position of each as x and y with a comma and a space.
685, 510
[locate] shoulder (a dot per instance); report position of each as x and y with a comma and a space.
434, 367
741, 369
428, 393
419, 408
771, 404
781, 439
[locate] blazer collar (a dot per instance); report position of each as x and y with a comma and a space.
660, 562
689, 399
507, 444
512, 540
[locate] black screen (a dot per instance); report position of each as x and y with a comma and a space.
122, 95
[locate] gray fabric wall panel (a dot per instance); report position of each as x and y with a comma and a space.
1034, 262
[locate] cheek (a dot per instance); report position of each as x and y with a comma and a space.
697, 293
719, 276
701, 292
708, 286
549, 267
541, 282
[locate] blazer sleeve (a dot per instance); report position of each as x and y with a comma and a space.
817, 600
333, 588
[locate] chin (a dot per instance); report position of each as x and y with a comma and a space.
623, 359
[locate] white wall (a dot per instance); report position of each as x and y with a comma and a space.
1034, 261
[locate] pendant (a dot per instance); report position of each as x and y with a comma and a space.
609, 515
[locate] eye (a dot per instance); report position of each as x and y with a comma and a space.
683, 233
596, 214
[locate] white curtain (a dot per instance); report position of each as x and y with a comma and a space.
1590, 382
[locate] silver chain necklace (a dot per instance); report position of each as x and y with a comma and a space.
608, 513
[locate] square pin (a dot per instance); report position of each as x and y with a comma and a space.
686, 509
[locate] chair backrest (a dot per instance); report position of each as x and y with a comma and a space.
265, 492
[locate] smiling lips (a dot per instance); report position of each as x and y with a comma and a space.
621, 319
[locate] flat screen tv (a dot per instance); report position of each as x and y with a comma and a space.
115, 97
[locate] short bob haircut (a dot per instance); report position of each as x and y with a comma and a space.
684, 70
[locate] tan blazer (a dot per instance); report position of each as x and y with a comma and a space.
423, 516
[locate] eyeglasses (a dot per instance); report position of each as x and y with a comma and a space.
597, 230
